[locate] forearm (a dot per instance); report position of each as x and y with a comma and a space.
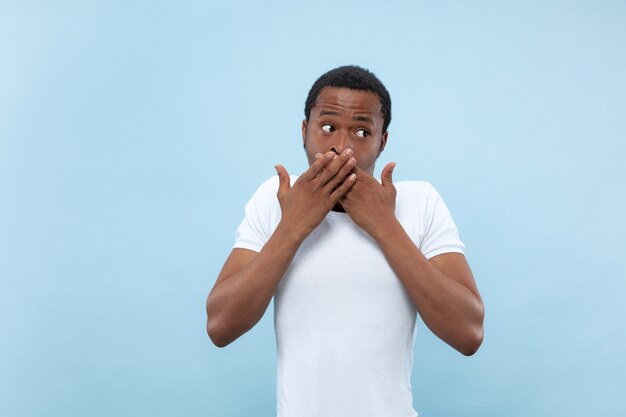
449, 309
239, 301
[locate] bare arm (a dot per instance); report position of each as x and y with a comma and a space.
245, 286
248, 280
442, 289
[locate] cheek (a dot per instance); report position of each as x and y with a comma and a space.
365, 159
364, 155
315, 146
361, 160
311, 150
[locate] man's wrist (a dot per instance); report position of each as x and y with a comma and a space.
291, 233
386, 229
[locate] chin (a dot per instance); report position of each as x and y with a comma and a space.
368, 169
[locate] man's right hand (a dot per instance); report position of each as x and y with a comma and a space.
248, 280
305, 204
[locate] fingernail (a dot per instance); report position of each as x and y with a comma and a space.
317, 155
348, 151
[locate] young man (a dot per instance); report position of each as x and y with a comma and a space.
349, 262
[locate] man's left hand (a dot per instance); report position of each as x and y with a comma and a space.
371, 204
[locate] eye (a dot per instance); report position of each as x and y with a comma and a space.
362, 133
327, 127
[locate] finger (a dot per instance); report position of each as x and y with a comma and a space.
284, 182
343, 188
317, 166
334, 166
360, 173
343, 173
386, 176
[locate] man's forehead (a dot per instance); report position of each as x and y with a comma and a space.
336, 100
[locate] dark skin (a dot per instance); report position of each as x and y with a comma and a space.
343, 138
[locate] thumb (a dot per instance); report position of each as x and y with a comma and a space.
386, 175
284, 182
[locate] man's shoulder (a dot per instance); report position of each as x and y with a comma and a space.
415, 197
415, 186
271, 184
266, 193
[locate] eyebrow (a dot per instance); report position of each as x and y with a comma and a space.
363, 119
357, 118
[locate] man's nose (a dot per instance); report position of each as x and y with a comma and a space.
344, 141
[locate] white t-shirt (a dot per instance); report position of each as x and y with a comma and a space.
345, 326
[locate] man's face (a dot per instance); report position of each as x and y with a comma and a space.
344, 118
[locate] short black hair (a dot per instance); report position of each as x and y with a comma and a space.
354, 78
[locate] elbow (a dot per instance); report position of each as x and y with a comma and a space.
223, 329
214, 329
476, 334
473, 342
220, 343
215, 335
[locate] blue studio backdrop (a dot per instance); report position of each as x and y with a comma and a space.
133, 133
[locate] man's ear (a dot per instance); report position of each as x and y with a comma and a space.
383, 143
304, 126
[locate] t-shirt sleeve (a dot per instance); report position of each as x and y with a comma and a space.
259, 221
440, 233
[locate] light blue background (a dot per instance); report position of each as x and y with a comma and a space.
133, 133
